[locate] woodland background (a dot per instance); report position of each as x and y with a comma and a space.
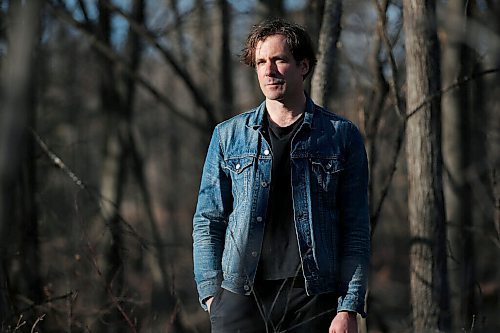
106, 109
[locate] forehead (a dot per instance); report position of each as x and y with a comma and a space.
271, 45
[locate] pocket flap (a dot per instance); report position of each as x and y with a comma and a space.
239, 164
328, 165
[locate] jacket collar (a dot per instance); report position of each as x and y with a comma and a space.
256, 120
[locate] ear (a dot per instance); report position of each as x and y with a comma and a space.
304, 65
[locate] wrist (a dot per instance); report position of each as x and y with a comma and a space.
349, 314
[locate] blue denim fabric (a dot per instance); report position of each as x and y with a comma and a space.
329, 180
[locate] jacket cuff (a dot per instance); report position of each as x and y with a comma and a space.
352, 304
206, 290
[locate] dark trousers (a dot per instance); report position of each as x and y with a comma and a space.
273, 306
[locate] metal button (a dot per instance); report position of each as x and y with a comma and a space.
266, 152
264, 184
246, 287
259, 219
238, 166
328, 166
254, 254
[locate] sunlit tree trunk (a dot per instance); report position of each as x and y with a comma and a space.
428, 271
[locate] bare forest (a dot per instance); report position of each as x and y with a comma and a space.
106, 111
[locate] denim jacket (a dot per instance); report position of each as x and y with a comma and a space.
330, 203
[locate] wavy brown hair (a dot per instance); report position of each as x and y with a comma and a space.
297, 39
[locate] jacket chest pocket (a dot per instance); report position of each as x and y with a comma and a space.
325, 172
240, 170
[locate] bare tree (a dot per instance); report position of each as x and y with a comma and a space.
371, 113
113, 172
117, 99
323, 78
457, 152
428, 271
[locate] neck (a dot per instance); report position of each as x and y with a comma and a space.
286, 114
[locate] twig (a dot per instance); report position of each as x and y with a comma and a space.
113, 298
382, 29
169, 57
400, 138
39, 319
20, 323
399, 105
106, 51
473, 324
455, 85
48, 300
58, 162
385, 189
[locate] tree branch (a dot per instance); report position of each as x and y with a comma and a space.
169, 58
58, 162
109, 53
400, 138
382, 30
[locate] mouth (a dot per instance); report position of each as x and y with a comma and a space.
275, 82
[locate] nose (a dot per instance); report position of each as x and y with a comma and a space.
269, 68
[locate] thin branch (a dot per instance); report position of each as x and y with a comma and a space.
138, 171
39, 319
455, 85
109, 53
400, 138
58, 162
382, 30
170, 58
83, 8
71, 294
385, 189
114, 299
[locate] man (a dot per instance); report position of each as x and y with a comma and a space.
281, 229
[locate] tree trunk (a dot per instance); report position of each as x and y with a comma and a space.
226, 73
323, 78
372, 112
20, 265
457, 161
117, 95
428, 271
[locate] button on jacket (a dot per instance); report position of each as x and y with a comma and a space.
330, 205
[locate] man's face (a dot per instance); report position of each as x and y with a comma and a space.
280, 75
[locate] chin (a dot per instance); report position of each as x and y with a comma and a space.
274, 95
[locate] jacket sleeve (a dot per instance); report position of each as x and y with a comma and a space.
354, 226
210, 221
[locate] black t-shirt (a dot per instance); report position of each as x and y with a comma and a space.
280, 257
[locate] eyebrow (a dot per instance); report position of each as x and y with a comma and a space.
275, 57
